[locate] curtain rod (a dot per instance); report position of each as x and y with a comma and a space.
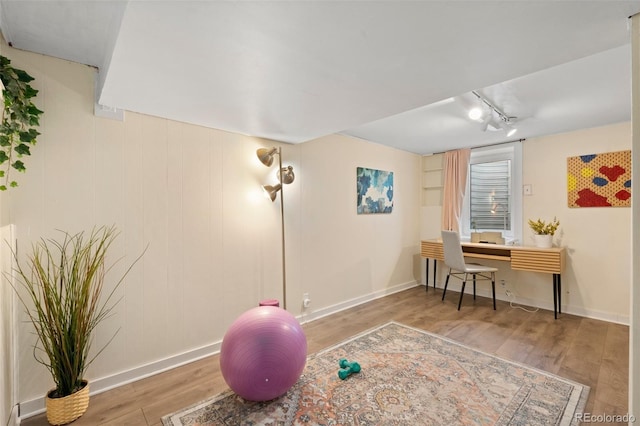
487, 145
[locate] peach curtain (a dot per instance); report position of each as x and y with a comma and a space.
456, 165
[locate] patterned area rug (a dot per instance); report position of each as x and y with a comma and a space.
408, 376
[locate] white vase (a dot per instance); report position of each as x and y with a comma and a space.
543, 241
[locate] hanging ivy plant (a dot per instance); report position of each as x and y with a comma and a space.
19, 119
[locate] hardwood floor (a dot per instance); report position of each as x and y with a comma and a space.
595, 353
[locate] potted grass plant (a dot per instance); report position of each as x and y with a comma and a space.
62, 288
544, 231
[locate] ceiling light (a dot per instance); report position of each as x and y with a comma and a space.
475, 113
495, 120
508, 127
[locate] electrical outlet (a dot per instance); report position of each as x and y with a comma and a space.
503, 283
508, 293
306, 300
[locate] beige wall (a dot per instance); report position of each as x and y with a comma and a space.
382, 249
598, 240
193, 196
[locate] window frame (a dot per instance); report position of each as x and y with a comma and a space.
508, 151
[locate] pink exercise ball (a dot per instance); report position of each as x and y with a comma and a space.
263, 353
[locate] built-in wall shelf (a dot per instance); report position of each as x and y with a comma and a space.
432, 179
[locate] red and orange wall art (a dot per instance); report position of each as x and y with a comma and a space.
599, 180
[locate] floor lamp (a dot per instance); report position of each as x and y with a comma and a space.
286, 176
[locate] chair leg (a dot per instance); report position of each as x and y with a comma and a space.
446, 282
493, 288
474, 286
462, 291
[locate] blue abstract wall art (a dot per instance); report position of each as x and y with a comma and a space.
375, 191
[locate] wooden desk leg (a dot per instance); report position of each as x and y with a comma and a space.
555, 297
426, 275
558, 279
435, 266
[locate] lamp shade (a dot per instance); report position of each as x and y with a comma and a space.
272, 190
265, 155
287, 175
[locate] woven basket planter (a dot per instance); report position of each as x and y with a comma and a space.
61, 411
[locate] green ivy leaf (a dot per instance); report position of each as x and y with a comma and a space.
30, 92
1, 173
23, 76
3, 188
3, 157
22, 149
13, 184
29, 135
4, 140
33, 110
19, 166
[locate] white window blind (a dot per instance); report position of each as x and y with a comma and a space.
490, 195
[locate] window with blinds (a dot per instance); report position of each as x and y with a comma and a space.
490, 195
493, 195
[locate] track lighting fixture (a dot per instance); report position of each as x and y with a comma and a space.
494, 119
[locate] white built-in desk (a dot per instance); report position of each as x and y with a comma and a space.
522, 258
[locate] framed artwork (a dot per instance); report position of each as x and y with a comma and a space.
599, 180
374, 191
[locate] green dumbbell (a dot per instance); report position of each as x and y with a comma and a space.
347, 368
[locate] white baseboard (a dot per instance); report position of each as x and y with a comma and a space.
545, 304
36, 406
321, 313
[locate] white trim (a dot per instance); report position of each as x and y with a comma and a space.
9, 354
37, 406
455, 286
14, 417
329, 310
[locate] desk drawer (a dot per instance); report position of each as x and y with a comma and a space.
538, 260
432, 250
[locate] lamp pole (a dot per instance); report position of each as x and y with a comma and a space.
284, 269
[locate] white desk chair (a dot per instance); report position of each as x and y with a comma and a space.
454, 259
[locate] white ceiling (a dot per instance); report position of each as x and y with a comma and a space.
397, 73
